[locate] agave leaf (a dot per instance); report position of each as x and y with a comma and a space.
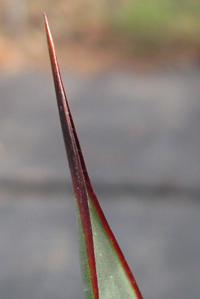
105, 272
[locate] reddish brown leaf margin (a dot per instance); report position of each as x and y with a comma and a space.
80, 179
75, 166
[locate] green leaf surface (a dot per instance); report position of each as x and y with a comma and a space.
112, 279
86, 280
105, 272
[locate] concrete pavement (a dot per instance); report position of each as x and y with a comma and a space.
140, 138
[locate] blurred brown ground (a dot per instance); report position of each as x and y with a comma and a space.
84, 38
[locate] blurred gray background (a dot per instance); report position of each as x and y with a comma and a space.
138, 120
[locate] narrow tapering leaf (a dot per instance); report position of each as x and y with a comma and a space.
90, 285
105, 272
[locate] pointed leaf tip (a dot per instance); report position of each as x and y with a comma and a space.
75, 166
106, 274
